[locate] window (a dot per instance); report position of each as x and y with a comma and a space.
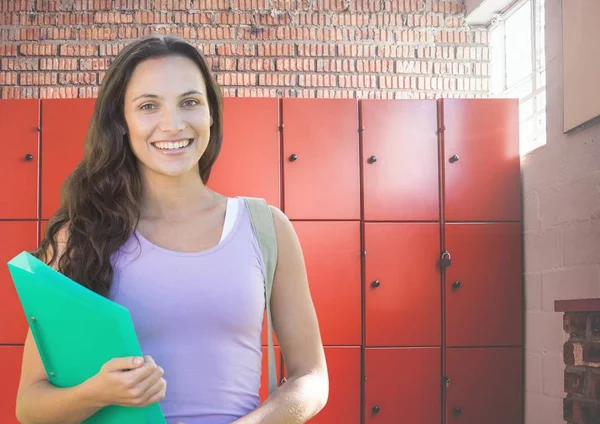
519, 67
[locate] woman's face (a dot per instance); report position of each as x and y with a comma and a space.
167, 115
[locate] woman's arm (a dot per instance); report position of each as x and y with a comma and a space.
295, 323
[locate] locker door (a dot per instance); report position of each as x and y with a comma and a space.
332, 256
10, 369
320, 159
486, 386
403, 386
400, 160
264, 378
65, 123
483, 285
16, 236
343, 405
481, 161
248, 164
19, 161
403, 290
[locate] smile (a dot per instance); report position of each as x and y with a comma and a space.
172, 145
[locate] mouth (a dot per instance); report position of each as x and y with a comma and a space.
173, 146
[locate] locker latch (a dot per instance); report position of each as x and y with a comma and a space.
447, 381
445, 260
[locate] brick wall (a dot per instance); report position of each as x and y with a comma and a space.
582, 373
267, 48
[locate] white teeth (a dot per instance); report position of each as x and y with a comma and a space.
163, 145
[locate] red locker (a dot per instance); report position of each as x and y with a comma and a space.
332, 256
483, 285
343, 405
65, 124
320, 159
16, 237
481, 161
403, 290
400, 160
403, 386
19, 162
248, 164
264, 378
10, 370
484, 386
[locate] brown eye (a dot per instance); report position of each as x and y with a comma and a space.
150, 106
190, 102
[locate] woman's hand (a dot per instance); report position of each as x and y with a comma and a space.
130, 381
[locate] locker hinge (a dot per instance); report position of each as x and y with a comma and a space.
281, 127
442, 128
361, 129
363, 252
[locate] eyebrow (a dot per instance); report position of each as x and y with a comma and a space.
154, 96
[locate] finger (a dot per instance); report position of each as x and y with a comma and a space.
151, 380
155, 393
124, 363
134, 377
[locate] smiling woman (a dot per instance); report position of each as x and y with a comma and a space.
138, 224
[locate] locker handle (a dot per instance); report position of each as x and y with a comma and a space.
376, 410
28, 157
372, 159
457, 412
375, 284
293, 157
456, 285
454, 158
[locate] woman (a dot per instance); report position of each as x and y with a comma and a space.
138, 224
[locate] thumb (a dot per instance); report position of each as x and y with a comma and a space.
125, 363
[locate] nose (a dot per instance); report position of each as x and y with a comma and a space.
171, 121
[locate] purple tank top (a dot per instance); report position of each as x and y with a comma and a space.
199, 315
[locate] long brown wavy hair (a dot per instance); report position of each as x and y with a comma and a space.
99, 204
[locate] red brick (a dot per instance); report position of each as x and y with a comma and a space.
113, 18
250, 4
80, 50
391, 81
276, 49
37, 49
223, 63
20, 93
95, 64
38, 78
360, 81
375, 66
236, 49
356, 50
278, 79
144, 17
368, 6
233, 18
8, 78
396, 51
229, 78
317, 19
301, 65
581, 411
16, 5
255, 64
592, 384
97, 33
171, 4
58, 92
336, 65
293, 33
58, 64
72, 78
278, 18
19, 64
88, 92
319, 80
8, 50
316, 50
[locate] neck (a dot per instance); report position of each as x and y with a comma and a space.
174, 198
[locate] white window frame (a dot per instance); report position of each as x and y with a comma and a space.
537, 76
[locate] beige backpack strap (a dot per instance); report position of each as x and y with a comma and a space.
264, 229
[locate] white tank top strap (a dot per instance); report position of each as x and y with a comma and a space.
231, 213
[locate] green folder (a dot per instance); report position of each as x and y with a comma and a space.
76, 331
